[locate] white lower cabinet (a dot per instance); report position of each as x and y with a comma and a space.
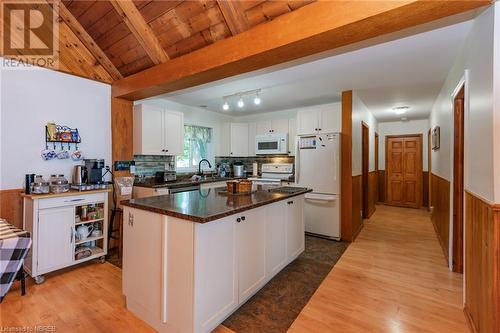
216, 267
295, 230
251, 242
55, 237
275, 238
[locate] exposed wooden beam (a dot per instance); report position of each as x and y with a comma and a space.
141, 30
314, 28
233, 14
346, 169
88, 41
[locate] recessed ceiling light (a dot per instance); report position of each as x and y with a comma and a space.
400, 109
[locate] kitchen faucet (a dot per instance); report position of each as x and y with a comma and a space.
199, 166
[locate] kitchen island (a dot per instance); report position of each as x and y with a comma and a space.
191, 259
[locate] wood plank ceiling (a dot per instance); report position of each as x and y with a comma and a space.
124, 38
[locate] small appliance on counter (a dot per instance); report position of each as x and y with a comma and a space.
80, 175
239, 169
165, 176
94, 170
89, 176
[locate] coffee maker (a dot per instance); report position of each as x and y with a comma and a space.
94, 170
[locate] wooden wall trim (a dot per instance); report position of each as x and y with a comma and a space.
317, 27
346, 197
357, 203
482, 264
122, 131
11, 206
440, 215
372, 192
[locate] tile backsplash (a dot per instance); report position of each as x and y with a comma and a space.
248, 161
148, 165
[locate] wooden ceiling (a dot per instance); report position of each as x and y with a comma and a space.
117, 38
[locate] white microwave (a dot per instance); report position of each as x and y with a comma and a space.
270, 144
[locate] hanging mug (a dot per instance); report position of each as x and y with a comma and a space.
48, 154
63, 154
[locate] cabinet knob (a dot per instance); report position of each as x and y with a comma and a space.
166, 150
320, 129
238, 220
243, 218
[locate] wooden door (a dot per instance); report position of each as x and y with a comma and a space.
376, 167
404, 170
55, 238
458, 182
365, 153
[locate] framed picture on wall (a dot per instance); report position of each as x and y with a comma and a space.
436, 138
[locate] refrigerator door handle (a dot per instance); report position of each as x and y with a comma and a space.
320, 197
297, 161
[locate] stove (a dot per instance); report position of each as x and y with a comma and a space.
287, 189
273, 174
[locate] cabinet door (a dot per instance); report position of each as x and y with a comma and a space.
252, 131
225, 140
148, 130
280, 126
55, 238
142, 260
330, 119
251, 243
292, 136
216, 272
174, 132
275, 238
295, 233
239, 139
264, 127
307, 121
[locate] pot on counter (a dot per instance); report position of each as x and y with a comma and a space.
238, 169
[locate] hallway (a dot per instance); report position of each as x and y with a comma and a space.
393, 278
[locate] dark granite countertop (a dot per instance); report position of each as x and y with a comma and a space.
207, 205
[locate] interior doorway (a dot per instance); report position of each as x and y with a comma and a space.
365, 153
403, 156
458, 180
376, 167
429, 168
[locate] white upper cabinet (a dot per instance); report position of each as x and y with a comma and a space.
238, 139
272, 126
323, 119
292, 133
252, 131
157, 131
174, 132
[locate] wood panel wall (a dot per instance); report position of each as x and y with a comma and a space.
482, 264
357, 206
440, 216
425, 187
372, 192
346, 183
11, 206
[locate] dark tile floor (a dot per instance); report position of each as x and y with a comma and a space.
277, 304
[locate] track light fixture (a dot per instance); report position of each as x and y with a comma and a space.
240, 101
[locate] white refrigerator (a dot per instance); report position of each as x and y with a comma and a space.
317, 166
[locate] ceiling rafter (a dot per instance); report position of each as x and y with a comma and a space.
88, 41
234, 15
141, 30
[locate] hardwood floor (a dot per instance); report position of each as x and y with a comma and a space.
393, 278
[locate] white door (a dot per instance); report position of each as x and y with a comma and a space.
307, 122
280, 126
216, 272
330, 119
264, 127
275, 238
295, 233
251, 245
142, 259
239, 139
252, 130
174, 132
317, 166
292, 133
150, 131
55, 238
